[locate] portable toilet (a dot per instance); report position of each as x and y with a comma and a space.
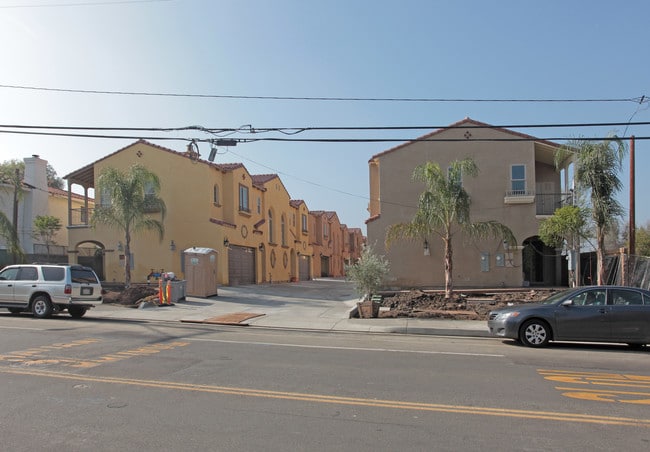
200, 272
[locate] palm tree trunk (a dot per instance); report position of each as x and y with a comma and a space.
600, 257
449, 285
127, 260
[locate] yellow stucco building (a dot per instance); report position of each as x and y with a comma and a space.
258, 232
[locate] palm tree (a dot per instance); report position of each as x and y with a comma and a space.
597, 165
444, 210
133, 196
9, 234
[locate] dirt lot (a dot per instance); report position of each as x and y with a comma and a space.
474, 305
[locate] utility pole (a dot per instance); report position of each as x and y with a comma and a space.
632, 225
14, 256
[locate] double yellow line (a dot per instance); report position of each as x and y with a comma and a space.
352, 401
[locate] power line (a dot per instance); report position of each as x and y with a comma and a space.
293, 130
638, 99
316, 140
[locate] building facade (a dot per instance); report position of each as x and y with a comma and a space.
259, 233
518, 185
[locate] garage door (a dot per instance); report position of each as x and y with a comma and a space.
241, 265
303, 269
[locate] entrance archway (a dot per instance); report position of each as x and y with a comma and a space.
541, 264
91, 254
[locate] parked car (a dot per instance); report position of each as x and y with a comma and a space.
46, 289
589, 314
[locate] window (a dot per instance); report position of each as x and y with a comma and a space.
259, 205
518, 179
27, 274
149, 196
304, 223
104, 199
326, 230
271, 227
215, 195
626, 297
282, 231
53, 273
455, 175
243, 198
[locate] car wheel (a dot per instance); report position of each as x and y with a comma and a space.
535, 333
76, 312
15, 310
41, 307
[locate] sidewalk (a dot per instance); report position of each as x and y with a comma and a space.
322, 304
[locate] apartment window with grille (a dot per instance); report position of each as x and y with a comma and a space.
271, 227
282, 231
304, 223
243, 199
518, 179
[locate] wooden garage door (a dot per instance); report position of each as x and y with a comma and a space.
241, 265
303, 269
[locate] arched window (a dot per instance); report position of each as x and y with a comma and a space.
270, 226
282, 230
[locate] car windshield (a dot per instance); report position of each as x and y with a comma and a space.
558, 296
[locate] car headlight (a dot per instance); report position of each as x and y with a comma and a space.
507, 315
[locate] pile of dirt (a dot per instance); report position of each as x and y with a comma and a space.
131, 296
463, 306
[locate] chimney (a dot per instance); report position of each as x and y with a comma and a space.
36, 172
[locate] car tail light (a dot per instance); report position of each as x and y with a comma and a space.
68, 289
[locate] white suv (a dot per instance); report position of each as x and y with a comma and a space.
46, 289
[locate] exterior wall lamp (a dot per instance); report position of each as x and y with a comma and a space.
261, 247
172, 246
226, 242
427, 251
120, 247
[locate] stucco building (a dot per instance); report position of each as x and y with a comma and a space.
258, 232
36, 199
517, 185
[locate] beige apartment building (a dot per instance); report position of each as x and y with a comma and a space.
258, 233
517, 185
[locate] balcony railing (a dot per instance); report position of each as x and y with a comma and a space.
80, 217
548, 203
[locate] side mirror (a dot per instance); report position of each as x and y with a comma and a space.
567, 303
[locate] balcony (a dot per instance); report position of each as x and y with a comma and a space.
545, 203
519, 197
548, 203
80, 217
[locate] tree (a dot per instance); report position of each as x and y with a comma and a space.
368, 272
8, 168
597, 165
444, 210
130, 198
45, 228
566, 223
642, 240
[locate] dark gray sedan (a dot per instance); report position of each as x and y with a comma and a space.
589, 314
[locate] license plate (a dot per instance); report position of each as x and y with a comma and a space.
86, 291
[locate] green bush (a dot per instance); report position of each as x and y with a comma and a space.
367, 273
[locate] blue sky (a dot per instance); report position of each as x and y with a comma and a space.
362, 49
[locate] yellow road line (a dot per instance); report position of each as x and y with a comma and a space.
353, 401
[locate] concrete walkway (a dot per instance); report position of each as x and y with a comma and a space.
321, 304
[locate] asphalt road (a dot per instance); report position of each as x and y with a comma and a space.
113, 385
